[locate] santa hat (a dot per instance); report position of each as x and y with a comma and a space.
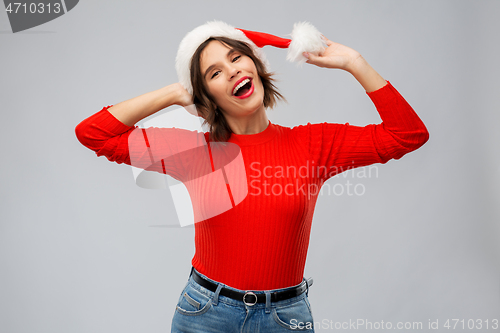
304, 38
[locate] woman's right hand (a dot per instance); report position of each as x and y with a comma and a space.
185, 99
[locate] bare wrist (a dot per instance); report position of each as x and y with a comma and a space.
366, 75
357, 66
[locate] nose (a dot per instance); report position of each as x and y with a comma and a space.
233, 71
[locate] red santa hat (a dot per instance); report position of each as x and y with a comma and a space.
304, 38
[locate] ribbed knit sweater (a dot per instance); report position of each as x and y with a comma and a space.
260, 242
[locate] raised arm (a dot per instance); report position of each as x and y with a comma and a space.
110, 132
344, 146
133, 110
113, 121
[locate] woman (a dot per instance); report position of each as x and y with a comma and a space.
248, 267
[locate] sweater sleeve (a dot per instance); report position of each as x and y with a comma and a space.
340, 147
166, 150
105, 135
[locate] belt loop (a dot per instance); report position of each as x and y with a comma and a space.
192, 269
216, 296
268, 301
307, 285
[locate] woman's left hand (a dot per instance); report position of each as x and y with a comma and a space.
335, 56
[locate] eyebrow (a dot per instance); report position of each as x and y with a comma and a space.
212, 66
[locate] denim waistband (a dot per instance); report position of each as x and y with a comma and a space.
216, 297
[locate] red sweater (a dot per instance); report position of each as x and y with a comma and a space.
259, 239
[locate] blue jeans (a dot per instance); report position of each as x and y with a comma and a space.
203, 311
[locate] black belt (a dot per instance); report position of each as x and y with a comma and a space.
249, 297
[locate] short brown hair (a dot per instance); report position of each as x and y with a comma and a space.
219, 128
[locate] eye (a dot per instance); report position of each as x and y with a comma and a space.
214, 74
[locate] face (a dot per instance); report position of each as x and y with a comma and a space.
224, 71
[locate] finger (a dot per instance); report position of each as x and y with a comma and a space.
327, 41
314, 59
308, 56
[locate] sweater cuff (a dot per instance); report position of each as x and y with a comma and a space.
109, 122
384, 95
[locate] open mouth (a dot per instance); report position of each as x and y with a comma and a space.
243, 88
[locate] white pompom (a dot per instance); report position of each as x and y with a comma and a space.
305, 38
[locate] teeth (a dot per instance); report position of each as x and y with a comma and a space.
242, 83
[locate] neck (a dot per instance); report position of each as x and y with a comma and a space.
250, 124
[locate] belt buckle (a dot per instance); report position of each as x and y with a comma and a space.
250, 293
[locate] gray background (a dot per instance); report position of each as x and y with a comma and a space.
83, 249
